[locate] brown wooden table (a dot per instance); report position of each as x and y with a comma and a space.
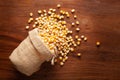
99, 21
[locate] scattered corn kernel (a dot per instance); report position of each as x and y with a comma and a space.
85, 38
49, 12
54, 10
27, 27
77, 29
73, 10
36, 23
75, 16
73, 24
36, 19
76, 36
72, 49
61, 63
75, 45
70, 32
77, 22
78, 42
44, 11
58, 5
31, 14
39, 11
34, 26
30, 20
78, 54
79, 39
98, 43
68, 15
82, 37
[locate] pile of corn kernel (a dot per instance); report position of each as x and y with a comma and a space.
53, 30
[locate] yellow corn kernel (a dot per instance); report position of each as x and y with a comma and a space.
27, 27
75, 16
85, 38
44, 11
73, 10
60, 58
30, 20
39, 11
77, 22
31, 14
73, 24
76, 36
68, 15
98, 43
58, 5
82, 36
34, 26
78, 43
78, 54
72, 49
77, 29
61, 63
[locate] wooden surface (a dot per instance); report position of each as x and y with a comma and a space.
99, 21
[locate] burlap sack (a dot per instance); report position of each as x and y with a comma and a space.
31, 53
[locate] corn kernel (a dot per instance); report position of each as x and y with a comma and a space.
72, 49
45, 14
77, 29
50, 9
49, 12
31, 14
68, 15
77, 22
82, 37
73, 10
63, 22
78, 42
60, 58
34, 26
76, 36
61, 63
70, 32
75, 45
36, 23
36, 19
63, 60
78, 54
44, 11
58, 5
27, 27
39, 11
30, 20
73, 24
98, 43
62, 17
85, 38
66, 57
54, 10
79, 39
75, 16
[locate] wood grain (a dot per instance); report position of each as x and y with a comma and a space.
99, 21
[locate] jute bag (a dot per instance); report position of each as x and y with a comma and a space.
31, 53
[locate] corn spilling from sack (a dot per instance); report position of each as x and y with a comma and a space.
49, 40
